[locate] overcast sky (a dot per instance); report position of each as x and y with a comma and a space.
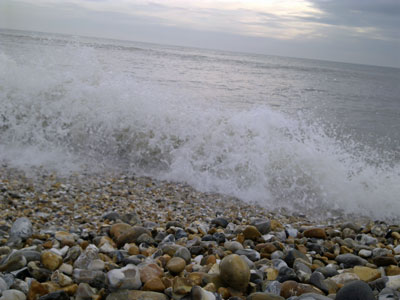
359, 31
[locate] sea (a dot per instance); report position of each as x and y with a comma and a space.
303, 135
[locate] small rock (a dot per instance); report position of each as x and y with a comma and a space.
366, 274
318, 233
50, 260
251, 233
21, 229
350, 260
13, 295
125, 278
176, 265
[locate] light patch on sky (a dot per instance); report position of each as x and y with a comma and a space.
364, 31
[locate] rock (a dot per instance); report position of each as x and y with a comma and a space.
220, 222
112, 216
235, 272
176, 265
356, 290
382, 261
50, 260
262, 225
12, 295
3, 285
183, 253
251, 254
61, 279
366, 274
91, 253
65, 238
318, 233
344, 278
124, 278
181, 286
365, 253
94, 278
303, 272
150, 271
233, 246
392, 270
131, 235
379, 230
286, 273
273, 287
118, 229
317, 279
313, 296
251, 233
15, 262
21, 229
350, 260
393, 282
136, 295
294, 254
198, 293
264, 296
59, 295
327, 271
155, 284
85, 292
292, 288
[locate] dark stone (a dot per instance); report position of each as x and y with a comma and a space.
196, 250
220, 222
350, 260
383, 261
356, 290
285, 274
262, 225
180, 233
317, 279
327, 271
207, 237
292, 255
160, 236
60, 295
219, 237
112, 216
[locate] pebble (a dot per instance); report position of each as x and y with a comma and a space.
235, 272
176, 265
356, 290
12, 295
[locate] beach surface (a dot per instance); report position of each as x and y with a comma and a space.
111, 236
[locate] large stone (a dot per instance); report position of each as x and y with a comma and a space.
127, 277
251, 233
149, 271
344, 278
350, 260
155, 285
356, 290
50, 260
366, 274
131, 235
235, 272
382, 261
318, 233
15, 262
85, 258
13, 295
21, 229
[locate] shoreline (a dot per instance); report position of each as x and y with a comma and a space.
75, 222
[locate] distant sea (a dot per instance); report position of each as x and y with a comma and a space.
305, 135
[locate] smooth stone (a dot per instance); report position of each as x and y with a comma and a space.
65, 238
294, 254
176, 265
40, 274
155, 284
356, 290
58, 295
91, 253
16, 262
112, 216
292, 288
251, 233
327, 271
303, 272
277, 255
366, 239
366, 274
350, 260
73, 253
127, 277
262, 225
131, 235
313, 296
20, 285
94, 278
382, 261
181, 286
50, 260
21, 229
285, 274
279, 263
251, 254
184, 253
364, 253
198, 293
61, 279
344, 278
3, 285
381, 252
317, 279
85, 292
264, 296
318, 233
233, 246
66, 269
393, 282
392, 270
235, 272
118, 229
220, 222
379, 230
149, 271
388, 294
136, 295
12, 295
273, 287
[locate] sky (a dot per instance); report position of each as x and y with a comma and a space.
355, 31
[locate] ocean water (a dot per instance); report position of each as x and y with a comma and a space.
305, 135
